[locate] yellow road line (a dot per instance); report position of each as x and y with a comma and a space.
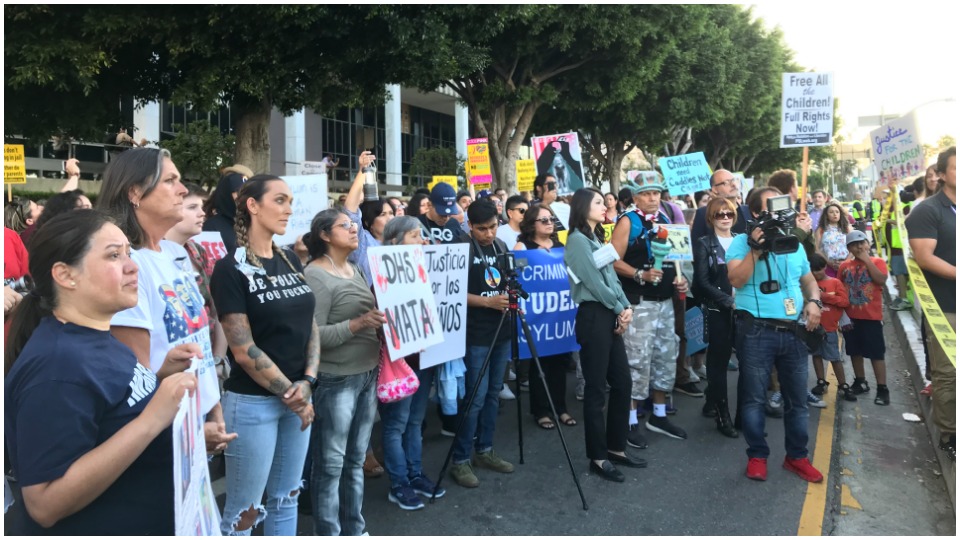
815, 502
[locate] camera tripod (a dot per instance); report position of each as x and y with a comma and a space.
512, 314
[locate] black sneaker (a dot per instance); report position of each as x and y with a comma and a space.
846, 393
635, 437
820, 388
691, 389
883, 396
949, 446
662, 424
860, 386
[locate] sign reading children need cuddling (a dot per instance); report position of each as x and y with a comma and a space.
404, 294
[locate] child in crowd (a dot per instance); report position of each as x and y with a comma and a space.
864, 277
834, 297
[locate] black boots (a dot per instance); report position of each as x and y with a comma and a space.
724, 423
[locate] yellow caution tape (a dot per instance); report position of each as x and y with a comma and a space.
944, 333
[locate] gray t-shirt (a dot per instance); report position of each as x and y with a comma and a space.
936, 217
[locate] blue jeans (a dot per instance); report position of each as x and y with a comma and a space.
267, 455
481, 417
402, 423
345, 406
759, 349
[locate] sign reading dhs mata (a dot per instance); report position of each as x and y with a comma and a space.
807, 112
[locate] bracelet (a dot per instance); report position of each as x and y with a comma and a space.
638, 276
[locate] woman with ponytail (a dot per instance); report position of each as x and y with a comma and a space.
87, 427
266, 310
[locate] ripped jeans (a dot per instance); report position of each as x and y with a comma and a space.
267, 455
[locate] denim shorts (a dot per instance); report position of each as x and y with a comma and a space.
898, 266
829, 349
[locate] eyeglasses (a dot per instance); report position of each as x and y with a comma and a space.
544, 220
521, 210
551, 186
347, 225
721, 183
724, 215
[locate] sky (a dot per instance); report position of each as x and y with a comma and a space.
885, 57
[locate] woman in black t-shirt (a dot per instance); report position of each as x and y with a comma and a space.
266, 309
87, 427
536, 232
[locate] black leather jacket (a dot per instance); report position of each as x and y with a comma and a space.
710, 282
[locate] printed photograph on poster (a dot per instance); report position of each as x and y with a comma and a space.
560, 157
404, 295
642, 176
447, 267
678, 236
807, 110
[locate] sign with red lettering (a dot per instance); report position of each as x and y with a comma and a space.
212, 243
404, 293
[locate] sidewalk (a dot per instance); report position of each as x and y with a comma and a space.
907, 327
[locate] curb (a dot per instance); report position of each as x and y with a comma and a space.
907, 325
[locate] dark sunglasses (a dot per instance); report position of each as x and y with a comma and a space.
544, 220
724, 215
551, 186
521, 210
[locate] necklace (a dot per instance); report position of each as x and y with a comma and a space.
334, 266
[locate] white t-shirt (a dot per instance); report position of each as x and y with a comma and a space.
508, 236
170, 307
725, 242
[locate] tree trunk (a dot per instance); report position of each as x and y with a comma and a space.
252, 124
505, 129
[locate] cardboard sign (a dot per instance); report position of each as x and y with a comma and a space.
526, 174
694, 328
212, 243
447, 266
685, 174
309, 198
897, 149
807, 110
478, 161
678, 236
404, 294
452, 180
559, 156
195, 508
550, 310
14, 164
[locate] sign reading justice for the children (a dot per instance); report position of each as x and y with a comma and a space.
404, 295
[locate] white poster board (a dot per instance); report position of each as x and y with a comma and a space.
897, 149
309, 198
212, 243
195, 508
404, 294
807, 110
447, 265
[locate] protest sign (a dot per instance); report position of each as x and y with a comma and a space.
559, 156
694, 328
405, 297
447, 266
14, 164
309, 198
526, 174
195, 508
897, 149
212, 243
807, 110
642, 176
685, 174
309, 168
480, 187
478, 161
678, 236
452, 180
550, 310
608, 231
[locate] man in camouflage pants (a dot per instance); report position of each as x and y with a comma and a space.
651, 343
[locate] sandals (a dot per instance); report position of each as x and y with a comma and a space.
546, 423
372, 467
567, 420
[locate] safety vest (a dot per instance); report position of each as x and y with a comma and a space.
875, 209
858, 214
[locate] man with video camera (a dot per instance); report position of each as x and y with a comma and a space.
777, 314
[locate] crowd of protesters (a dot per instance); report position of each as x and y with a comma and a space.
107, 308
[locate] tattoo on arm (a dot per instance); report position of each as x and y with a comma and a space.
260, 360
236, 327
278, 385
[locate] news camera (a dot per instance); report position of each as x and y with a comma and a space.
509, 267
777, 223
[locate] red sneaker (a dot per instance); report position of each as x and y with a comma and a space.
803, 469
757, 469
927, 390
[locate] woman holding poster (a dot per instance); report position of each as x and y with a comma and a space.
87, 427
346, 397
536, 232
265, 308
602, 317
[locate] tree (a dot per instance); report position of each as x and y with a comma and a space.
200, 150
429, 162
67, 67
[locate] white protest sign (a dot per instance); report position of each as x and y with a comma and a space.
212, 243
897, 149
310, 168
447, 266
309, 198
404, 295
195, 508
684, 174
807, 110
678, 236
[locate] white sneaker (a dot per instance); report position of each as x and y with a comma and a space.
506, 393
693, 375
511, 375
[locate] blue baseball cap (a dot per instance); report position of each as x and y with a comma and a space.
444, 199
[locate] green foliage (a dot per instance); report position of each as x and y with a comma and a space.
200, 151
429, 162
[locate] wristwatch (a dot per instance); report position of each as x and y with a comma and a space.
817, 302
638, 276
312, 381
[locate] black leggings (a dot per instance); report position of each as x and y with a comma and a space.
719, 347
555, 373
